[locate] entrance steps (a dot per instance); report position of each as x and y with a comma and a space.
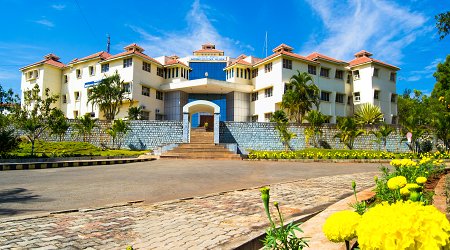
201, 147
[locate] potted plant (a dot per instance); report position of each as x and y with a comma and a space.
206, 126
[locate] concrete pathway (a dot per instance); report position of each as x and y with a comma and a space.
46, 190
219, 221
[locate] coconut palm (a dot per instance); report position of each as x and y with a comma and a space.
368, 113
302, 98
382, 133
84, 126
118, 131
349, 130
285, 135
315, 119
134, 113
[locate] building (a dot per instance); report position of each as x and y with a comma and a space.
246, 88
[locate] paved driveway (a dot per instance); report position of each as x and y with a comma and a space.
45, 190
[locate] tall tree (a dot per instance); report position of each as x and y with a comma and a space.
443, 24
302, 97
9, 141
57, 123
411, 124
109, 95
349, 131
442, 75
32, 117
84, 126
315, 119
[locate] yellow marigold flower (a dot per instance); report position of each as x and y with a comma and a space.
404, 162
412, 187
395, 163
403, 225
341, 226
404, 191
399, 181
421, 180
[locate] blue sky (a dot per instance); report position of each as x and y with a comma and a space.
401, 33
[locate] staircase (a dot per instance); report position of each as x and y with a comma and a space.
201, 147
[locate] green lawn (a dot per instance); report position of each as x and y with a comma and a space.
65, 149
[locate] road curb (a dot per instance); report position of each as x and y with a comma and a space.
44, 165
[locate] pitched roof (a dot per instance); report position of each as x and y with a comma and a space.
241, 56
240, 61
282, 46
207, 44
282, 52
365, 59
51, 62
207, 50
134, 45
363, 52
133, 52
101, 54
315, 55
174, 56
175, 61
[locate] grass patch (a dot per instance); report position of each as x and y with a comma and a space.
69, 149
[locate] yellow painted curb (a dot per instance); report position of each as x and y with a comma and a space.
29, 166
32, 166
19, 167
75, 164
54, 165
120, 162
85, 163
65, 164
6, 167
103, 162
44, 165
128, 161
94, 163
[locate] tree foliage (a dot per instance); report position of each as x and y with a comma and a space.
302, 98
109, 95
33, 115
382, 134
411, 124
442, 75
281, 119
84, 126
349, 131
9, 141
134, 113
57, 124
315, 119
443, 24
368, 113
118, 131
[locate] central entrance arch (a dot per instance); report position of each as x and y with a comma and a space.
197, 107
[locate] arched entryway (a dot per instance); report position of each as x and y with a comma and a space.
197, 107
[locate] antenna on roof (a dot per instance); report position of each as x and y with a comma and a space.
266, 44
107, 48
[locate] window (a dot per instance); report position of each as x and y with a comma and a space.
327, 120
349, 100
160, 72
145, 115
267, 117
37, 73
393, 77
64, 97
176, 75
237, 73
376, 95
339, 75
339, 98
268, 92
357, 96
356, 74
348, 78
312, 70
287, 64
127, 62
255, 118
75, 114
376, 72
91, 70
254, 96
182, 71
30, 75
66, 78
324, 72
146, 67
105, 67
287, 86
145, 91
158, 117
77, 96
169, 72
78, 72
325, 96
394, 119
242, 73
268, 67
173, 72
254, 73
159, 95
127, 87
393, 98
245, 74
165, 73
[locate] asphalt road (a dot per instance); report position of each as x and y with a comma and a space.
46, 190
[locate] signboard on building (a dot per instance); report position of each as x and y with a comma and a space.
207, 58
89, 84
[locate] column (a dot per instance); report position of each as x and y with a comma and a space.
185, 127
216, 127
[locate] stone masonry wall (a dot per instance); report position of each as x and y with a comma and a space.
262, 136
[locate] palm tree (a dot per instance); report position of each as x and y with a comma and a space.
349, 130
109, 95
285, 135
368, 113
134, 113
57, 124
84, 126
411, 124
383, 132
301, 99
315, 119
119, 129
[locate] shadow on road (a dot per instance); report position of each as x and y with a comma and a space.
17, 195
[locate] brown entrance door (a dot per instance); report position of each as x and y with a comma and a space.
207, 118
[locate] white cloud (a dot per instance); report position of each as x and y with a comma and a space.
8, 73
199, 31
381, 27
414, 78
46, 23
430, 69
58, 7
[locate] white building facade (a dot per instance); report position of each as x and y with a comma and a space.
245, 88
